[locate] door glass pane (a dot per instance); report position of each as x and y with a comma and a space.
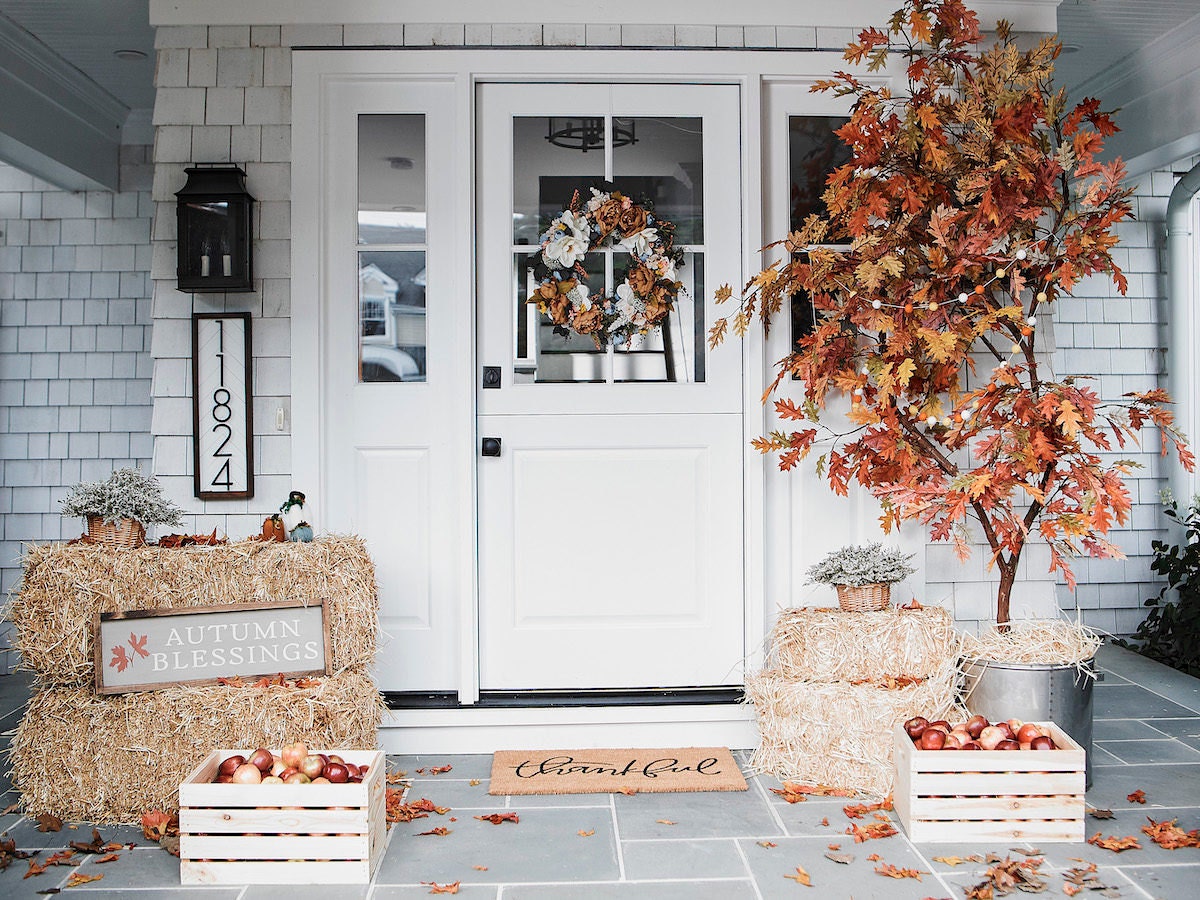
391, 179
391, 312
544, 355
664, 164
676, 351
814, 151
546, 174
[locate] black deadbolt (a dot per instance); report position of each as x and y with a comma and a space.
490, 446
491, 376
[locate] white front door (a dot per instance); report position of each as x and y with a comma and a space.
611, 521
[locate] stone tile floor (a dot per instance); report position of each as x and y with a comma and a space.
1147, 736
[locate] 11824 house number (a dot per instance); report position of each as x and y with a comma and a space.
221, 406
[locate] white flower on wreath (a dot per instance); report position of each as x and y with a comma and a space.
639, 244
568, 239
579, 297
662, 266
629, 307
598, 200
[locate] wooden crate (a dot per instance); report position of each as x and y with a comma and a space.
976, 795
281, 833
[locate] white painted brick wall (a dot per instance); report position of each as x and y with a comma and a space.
74, 332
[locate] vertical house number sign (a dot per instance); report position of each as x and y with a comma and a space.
221, 406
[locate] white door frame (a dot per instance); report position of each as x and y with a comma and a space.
473, 728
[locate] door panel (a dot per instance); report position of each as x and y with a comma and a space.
610, 527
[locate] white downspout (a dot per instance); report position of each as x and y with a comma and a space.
1182, 334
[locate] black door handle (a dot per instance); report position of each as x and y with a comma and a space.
491, 377
490, 446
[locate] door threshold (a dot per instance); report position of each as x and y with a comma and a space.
560, 699
467, 729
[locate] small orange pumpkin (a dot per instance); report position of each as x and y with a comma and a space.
273, 530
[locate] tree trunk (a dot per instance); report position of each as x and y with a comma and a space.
1008, 574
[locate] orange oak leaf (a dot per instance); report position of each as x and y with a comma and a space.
480, 868
871, 832
891, 871
157, 824
499, 818
435, 888
1114, 843
77, 878
583, 833
768, 845
61, 858
108, 857
1170, 836
800, 877
440, 831
35, 868
1138, 796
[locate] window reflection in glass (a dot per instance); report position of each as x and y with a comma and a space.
814, 151
391, 179
545, 176
665, 166
391, 304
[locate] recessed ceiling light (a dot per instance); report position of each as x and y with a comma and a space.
400, 162
129, 54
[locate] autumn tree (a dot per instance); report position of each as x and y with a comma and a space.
972, 201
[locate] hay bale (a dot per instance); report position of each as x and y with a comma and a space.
837, 733
109, 759
825, 644
65, 585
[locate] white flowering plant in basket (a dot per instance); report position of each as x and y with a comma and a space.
126, 494
861, 564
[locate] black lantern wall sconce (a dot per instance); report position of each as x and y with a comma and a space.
214, 213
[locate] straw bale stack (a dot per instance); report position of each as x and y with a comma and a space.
109, 759
838, 682
65, 585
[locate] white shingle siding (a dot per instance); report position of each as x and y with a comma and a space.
74, 332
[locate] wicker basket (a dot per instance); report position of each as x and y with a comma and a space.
122, 533
864, 597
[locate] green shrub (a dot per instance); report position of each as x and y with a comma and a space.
1170, 632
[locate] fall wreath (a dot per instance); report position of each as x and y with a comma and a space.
641, 302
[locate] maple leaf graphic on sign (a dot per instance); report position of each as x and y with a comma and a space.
121, 660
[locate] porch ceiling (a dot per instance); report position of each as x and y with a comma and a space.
59, 57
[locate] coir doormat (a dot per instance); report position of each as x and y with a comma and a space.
614, 771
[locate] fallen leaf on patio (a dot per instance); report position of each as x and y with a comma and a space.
156, 825
395, 777
48, 823
844, 858
767, 844
871, 832
479, 868
406, 812
11, 808
1138, 796
794, 792
474, 782
1071, 889
1114, 843
35, 868
958, 860
1100, 813
440, 831
664, 821
453, 819
858, 810
434, 770
981, 891
801, 877
874, 857
77, 878
114, 845
62, 858
834, 846
108, 857
890, 871
825, 821
583, 833
1170, 836
95, 845
497, 818
1024, 852
435, 888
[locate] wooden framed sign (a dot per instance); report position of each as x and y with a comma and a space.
222, 419
149, 649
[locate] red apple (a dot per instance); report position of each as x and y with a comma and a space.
312, 765
1008, 745
971, 745
224, 779
1042, 742
990, 737
247, 773
976, 724
915, 726
297, 778
263, 759
1009, 735
228, 765
953, 741
293, 754
321, 779
336, 772
932, 739
272, 779
354, 771
1027, 732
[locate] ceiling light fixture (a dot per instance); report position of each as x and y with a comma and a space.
588, 133
129, 54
